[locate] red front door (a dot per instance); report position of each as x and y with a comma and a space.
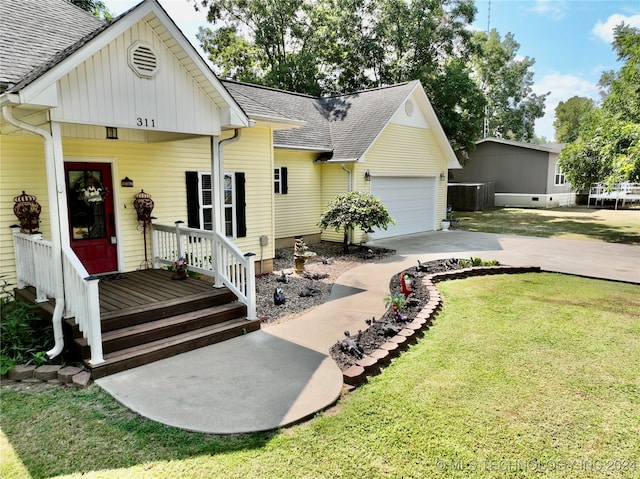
91, 220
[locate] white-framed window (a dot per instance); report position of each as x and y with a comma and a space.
230, 227
205, 192
559, 176
200, 191
280, 180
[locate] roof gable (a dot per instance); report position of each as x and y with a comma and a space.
145, 20
346, 125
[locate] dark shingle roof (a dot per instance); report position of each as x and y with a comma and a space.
33, 32
548, 147
344, 124
260, 101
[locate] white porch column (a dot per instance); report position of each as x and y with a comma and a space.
62, 213
217, 184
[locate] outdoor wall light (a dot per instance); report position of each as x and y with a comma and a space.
126, 182
442, 176
367, 176
112, 133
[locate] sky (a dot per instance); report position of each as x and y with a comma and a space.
570, 40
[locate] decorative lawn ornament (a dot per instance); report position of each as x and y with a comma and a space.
27, 210
405, 285
278, 297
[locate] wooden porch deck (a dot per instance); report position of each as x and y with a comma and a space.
140, 289
146, 316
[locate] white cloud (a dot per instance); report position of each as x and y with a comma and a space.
551, 8
604, 30
562, 87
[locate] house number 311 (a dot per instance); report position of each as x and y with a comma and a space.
146, 122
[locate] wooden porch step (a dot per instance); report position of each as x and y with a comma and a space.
163, 309
127, 337
167, 347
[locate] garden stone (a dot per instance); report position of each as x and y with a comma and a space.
22, 372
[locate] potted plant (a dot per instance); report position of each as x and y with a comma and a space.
181, 269
397, 301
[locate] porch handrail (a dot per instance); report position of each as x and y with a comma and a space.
82, 302
34, 267
34, 263
208, 253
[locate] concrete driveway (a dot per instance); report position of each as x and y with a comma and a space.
596, 259
283, 373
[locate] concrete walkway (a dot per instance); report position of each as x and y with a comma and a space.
283, 374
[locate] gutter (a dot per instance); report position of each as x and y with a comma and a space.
7, 112
349, 177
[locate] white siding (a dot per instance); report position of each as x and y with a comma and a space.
105, 91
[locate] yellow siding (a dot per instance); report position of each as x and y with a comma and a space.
335, 182
298, 212
253, 154
21, 168
402, 150
158, 168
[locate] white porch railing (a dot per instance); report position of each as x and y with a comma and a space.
34, 264
209, 253
625, 192
35, 267
82, 302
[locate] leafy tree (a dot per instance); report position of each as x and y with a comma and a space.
329, 46
97, 8
273, 42
355, 209
512, 107
568, 117
608, 145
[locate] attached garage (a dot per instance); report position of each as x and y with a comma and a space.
411, 202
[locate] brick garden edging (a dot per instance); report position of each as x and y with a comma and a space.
371, 364
77, 377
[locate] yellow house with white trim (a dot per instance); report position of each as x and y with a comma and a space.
139, 157
98, 118
385, 141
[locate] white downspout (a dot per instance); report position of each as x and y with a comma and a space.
217, 171
349, 189
217, 174
7, 112
349, 177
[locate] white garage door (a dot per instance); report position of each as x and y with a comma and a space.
411, 203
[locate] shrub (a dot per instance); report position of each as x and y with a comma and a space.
355, 209
25, 336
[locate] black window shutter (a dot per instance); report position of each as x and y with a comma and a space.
193, 200
241, 206
284, 181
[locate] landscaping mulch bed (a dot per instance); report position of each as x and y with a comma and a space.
318, 277
377, 331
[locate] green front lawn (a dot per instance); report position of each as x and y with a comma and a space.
613, 226
533, 375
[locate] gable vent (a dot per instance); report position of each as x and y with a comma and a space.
143, 60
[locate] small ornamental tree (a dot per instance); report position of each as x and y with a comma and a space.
355, 209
